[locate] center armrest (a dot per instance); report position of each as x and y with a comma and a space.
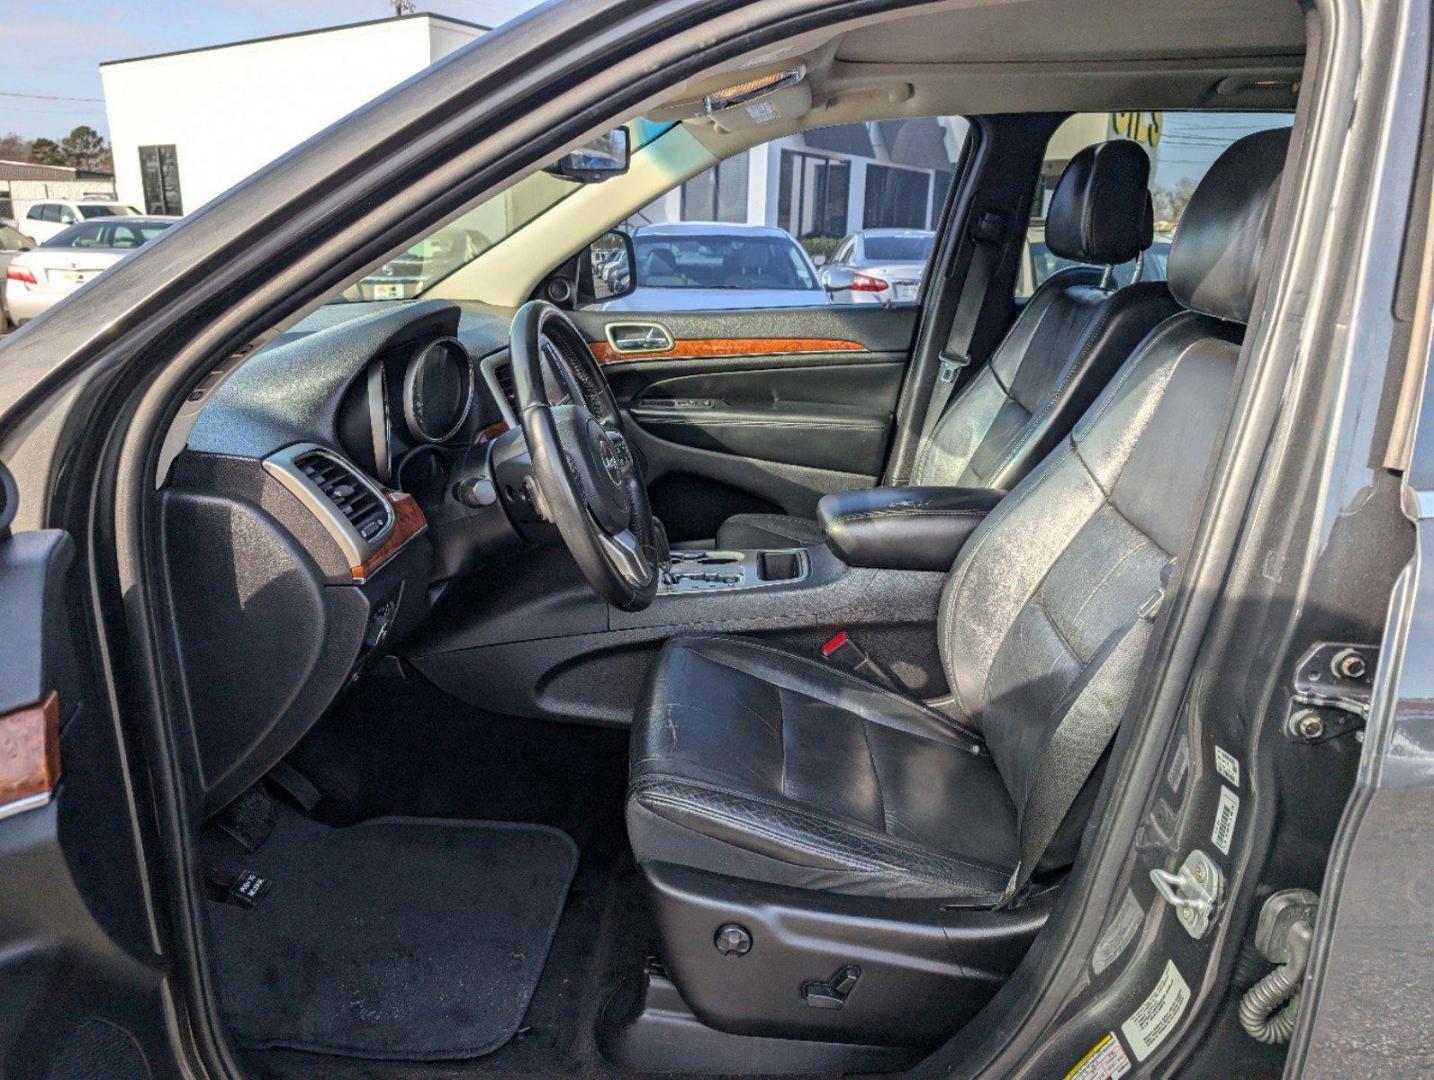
903, 528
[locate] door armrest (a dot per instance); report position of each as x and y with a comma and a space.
903, 528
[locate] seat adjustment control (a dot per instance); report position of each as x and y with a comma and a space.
832, 993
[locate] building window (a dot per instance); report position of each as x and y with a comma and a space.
895, 198
719, 193
159, 166
812, 195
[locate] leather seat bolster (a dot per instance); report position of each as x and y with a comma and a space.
903, 528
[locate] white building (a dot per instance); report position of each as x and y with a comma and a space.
187, 126
830, 181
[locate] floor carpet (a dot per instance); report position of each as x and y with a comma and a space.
397, 938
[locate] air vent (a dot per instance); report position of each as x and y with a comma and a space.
363, 507
504, 374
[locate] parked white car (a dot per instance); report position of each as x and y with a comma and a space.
13, 243
703, 266
50, 217
43, 276
878, 266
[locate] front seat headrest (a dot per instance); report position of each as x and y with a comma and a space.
1097, 214
1215, 259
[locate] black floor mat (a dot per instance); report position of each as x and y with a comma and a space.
399, 938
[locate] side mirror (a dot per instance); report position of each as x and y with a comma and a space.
837, 278
604, 157
819, 260
607, 269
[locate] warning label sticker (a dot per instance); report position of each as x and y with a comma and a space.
1228, 766
1106, 1060
1225, 815
1127, 922
1175, 775
1153, 1021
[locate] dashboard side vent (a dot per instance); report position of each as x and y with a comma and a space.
504, 374
364, 508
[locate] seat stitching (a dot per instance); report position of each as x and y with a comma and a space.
1140, 540
944, 721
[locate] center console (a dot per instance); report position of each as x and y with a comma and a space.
718, 571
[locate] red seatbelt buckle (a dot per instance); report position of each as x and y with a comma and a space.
841, 651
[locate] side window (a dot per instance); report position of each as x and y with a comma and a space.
1181, 145
67, 216
753, 230
50, 212
35, 213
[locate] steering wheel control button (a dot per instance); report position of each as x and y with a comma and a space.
733, 939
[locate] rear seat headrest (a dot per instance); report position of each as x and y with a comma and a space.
1215, 259
1097, 214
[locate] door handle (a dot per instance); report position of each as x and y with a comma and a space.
636, 338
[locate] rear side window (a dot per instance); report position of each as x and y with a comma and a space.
899, 248
1182, 146
36, 213
81, 236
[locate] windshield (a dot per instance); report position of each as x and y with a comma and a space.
469, 236
720, 261
94, 210
898, 248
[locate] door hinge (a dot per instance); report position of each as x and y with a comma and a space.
1333, 683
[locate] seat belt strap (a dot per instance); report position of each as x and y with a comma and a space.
986, 237
1097, 705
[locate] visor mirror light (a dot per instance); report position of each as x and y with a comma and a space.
752, 89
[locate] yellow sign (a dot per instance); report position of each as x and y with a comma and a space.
1143, 127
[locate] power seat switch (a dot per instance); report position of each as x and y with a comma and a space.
832, 993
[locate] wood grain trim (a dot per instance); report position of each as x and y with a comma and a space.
408, 523
708, 348
491, 432
30, 752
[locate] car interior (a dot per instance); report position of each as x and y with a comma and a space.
730, 691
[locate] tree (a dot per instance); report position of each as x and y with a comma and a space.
85, 148
46, 152
402, 7
14, 147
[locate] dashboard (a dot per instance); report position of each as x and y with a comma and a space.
309, 520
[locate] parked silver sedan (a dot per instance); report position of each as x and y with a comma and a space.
40, 278
878, 266
12, 243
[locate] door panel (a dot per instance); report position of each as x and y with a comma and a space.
79, 991
755, 411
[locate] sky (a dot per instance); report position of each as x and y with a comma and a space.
50, 50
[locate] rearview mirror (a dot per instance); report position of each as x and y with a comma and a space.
591, 163
607, 270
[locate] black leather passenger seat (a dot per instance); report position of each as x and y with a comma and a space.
754, 762
1063, 348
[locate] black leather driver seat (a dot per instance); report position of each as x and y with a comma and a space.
758, 764
1063, 348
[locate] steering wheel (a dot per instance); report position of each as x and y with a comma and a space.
590, 483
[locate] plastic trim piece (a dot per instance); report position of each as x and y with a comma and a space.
356, 549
